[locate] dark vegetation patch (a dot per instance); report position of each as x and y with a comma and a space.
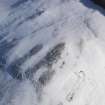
46, 76
51, 57
100, 2
95, 5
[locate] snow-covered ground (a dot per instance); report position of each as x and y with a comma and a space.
52, 52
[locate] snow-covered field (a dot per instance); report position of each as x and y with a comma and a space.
52, 52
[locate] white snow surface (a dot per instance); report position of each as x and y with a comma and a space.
79, 74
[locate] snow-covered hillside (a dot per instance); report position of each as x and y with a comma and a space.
52, 52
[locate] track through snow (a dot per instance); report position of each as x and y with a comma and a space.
52, 52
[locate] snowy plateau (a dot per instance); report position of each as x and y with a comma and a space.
52, 52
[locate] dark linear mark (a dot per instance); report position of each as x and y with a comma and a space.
14, 68
38, 13
89, 27
4, 48
18, 3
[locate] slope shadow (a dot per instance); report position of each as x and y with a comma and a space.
92, 5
